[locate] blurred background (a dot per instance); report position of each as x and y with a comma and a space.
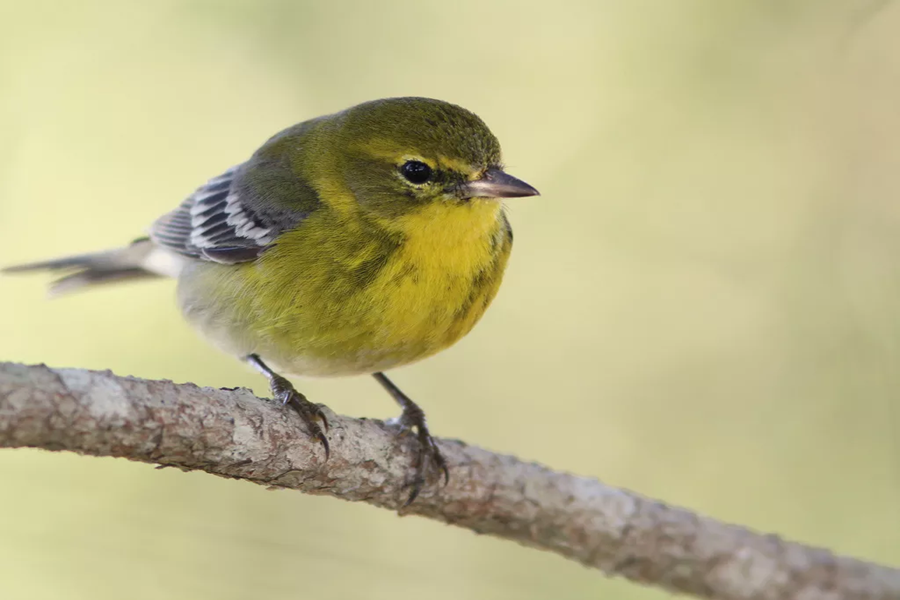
703, 306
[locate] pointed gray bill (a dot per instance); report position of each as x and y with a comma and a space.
497, 184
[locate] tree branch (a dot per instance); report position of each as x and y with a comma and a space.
232, 433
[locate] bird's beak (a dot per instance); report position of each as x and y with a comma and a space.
497, 184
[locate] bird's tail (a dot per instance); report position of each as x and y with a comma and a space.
139, 260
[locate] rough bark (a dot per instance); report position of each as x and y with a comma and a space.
232, 433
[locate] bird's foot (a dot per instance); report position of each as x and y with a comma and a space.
428, 457
284, 392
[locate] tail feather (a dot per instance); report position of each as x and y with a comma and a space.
92, 277
88, 270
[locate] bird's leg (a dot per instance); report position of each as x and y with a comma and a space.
413, 418
285, 393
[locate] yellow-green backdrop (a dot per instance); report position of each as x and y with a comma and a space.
702, 306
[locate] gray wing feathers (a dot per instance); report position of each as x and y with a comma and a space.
214, 224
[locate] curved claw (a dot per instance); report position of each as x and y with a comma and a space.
321, 415
311, 414
320, 435
436, 457
324, 441
428, 453
427, 456
414, 493
442, 465
285, 393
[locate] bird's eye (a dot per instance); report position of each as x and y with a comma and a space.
415, 171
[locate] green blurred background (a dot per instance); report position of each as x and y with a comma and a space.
702, 306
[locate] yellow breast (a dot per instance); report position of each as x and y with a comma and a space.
442, 278
331, 298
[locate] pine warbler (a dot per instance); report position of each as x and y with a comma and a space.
350, 243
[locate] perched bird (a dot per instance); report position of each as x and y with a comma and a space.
347, 244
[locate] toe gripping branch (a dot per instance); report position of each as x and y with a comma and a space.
284, 392
428, 459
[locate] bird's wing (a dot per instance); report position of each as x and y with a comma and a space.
215, 224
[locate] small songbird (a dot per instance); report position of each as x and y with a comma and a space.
347, 244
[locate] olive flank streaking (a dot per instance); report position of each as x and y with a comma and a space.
350, 243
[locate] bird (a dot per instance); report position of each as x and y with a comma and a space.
347, 244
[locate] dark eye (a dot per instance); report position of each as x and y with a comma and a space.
416, 172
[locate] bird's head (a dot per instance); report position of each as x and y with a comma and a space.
398, 154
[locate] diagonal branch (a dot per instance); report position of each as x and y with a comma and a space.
232, 433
